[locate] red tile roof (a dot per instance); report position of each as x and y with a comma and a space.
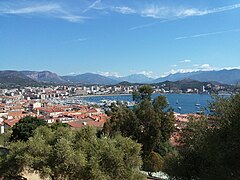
87, 121
12, 122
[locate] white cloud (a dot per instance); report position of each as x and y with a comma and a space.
106, 73
48, 8
229, 68
53, 10
146, 73
92, 6
72, 73
142, 26
202, 67
222, 9
173, 13
124, 10
155, 12
190, 12
73, 18
205, 66
186, 61
64, 10
164, 12
207, 34
173, 65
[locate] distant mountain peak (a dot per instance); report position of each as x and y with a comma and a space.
134, 78
224, 76
11, 78
90, 78
44, 76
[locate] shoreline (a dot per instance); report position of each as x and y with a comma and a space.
99, 95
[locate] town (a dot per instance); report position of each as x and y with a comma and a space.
45, 103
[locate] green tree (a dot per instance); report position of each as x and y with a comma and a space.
144, 92
149, 123
124, 121
67, 154
25, 128
12, 163
153, 162
56, 125
210, 148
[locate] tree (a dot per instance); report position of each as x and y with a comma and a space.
210, 148
149, 123
25, 128
124, 121
144, 92
67, 154
153, 162
57, 124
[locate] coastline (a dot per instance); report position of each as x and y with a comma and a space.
187, 102
99, 95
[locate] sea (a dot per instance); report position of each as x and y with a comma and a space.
181, 103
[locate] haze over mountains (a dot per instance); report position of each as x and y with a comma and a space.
34, 77
134, 78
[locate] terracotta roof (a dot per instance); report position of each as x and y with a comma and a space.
92, 110
17, 107
15, 113
2, 105
12, 122
87, 121
50, 109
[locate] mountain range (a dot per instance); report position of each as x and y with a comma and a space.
15, 78
21, 78
134, 78
43, 76
89, 78
222, 76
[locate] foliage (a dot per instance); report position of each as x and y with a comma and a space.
149, 123
210, 148
153, 162
67, 154
13, 163
5, 137
57, 125
144, 92
25, 128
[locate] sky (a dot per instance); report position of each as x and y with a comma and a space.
119, 37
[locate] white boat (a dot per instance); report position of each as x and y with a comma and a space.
199, 112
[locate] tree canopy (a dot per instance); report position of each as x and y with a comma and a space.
149, 123
67, 154
25, 128
210, 147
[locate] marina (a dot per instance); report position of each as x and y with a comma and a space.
181, 103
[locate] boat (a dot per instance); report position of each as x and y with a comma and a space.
179, 108
200, 112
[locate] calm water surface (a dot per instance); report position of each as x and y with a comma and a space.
182, 103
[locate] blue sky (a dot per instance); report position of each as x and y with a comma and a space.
119, 37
